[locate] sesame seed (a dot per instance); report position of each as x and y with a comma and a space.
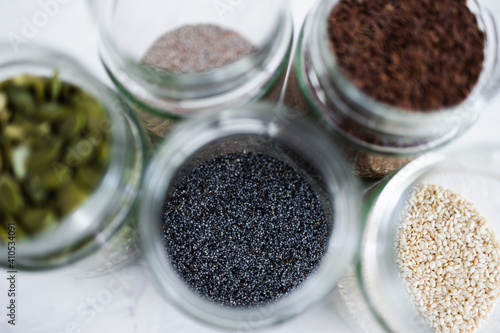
460, 267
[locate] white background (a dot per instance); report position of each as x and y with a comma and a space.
49, 302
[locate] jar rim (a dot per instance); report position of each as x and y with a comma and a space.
256, 120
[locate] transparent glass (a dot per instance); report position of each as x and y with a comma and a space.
101, 233
128, 29
377, 137
258, 129
372, 296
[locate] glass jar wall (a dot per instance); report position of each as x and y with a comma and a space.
174, 60
379, 138
419, 268
100, 233
254, 132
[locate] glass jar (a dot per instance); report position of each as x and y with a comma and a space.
161, 96
378, 138
372, 296
255, 129
101, 233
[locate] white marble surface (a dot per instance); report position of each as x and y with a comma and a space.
55, 302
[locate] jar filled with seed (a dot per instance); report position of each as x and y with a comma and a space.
251, 222
178, 59
430, 254
395, 79
71, 163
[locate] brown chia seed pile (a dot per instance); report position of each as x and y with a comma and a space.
244, 230
197, 48
449, 259
417, 55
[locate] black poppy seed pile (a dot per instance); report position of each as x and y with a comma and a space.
244, 230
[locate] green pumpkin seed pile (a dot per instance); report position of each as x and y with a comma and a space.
54, 150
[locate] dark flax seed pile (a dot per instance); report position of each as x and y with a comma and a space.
419, 55
244, 230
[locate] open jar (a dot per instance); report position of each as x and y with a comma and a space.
178, 59
73, 156
429, 259
379, 138
244, 235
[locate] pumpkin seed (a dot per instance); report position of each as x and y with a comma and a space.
79, 152
21, 100
52, 111
88, 177
11, 199
14, 132
69, 198
72, 126
4, 236
49, 161
38, 86
18, 160
37, 194
45, 153
39, 219
50, 179
55, 86
103, 154
4, 112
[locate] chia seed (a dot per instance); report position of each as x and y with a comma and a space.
197, 48
244, 230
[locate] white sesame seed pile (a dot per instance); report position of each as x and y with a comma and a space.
448, 256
